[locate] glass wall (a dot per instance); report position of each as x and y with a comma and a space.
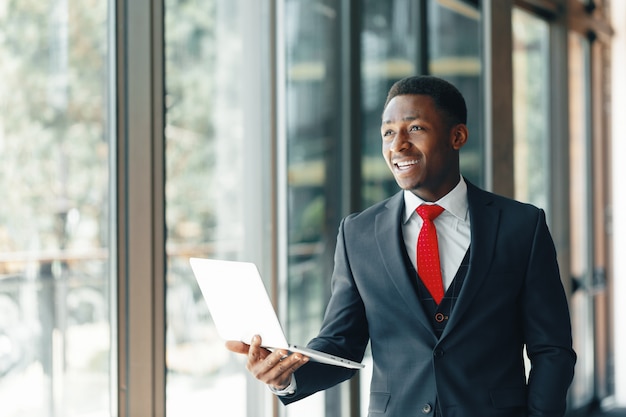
455, 55
531, 95
390, 50
581, 201
55, 224
313, 121
218, 190
531, 117
616, 288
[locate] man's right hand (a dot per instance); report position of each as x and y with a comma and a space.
273, 368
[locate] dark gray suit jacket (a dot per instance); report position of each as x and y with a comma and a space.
512, 296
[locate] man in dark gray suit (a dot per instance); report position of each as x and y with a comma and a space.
455, 350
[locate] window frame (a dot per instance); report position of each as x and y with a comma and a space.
140, 208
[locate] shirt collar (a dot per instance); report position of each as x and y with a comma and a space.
455, 202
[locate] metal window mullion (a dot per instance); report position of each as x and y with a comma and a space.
422, 53
351, 146
351, 135
140, 208
589, 152
498, 96
559, 161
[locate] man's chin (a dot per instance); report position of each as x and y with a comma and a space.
408, 185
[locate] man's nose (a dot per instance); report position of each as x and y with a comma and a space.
400, 142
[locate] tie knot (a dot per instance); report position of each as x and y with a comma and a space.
429, 211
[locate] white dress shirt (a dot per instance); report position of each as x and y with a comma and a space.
453, 229
289, 390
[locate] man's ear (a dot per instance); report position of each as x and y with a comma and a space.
459, 136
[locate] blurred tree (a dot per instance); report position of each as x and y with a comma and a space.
53, 122
190, 60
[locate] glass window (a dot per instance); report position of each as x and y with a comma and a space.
455, 56
532, 113
313, 126
217, 187
56, 307
581, 250
390, 40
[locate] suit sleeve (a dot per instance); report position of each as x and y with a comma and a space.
344, 330
547, 328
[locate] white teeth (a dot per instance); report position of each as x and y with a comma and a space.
406, 163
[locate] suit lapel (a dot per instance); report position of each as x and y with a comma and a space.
484, 219
391, 247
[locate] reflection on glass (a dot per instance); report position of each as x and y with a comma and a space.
531, 103
55, 273
531, 117
582, 389
389, 52
455, 56
313, 144
215, 199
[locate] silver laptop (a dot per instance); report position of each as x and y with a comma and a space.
241, 308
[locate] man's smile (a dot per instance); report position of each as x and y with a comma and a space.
404, 165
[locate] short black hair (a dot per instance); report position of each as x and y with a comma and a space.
445, 95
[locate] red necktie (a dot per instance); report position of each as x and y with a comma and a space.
428, 265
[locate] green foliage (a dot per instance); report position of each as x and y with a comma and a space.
190, 61
55, 126
53, 119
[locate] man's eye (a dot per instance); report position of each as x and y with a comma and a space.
387, 132
414, 128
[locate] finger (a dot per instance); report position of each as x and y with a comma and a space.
237, 347
274, 359
293, 362
262, 364
254, 353
278, 368
280, 374
288, 365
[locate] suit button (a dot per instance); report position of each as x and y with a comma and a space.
438, 353
427, 408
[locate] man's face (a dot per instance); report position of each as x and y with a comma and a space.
420, 148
